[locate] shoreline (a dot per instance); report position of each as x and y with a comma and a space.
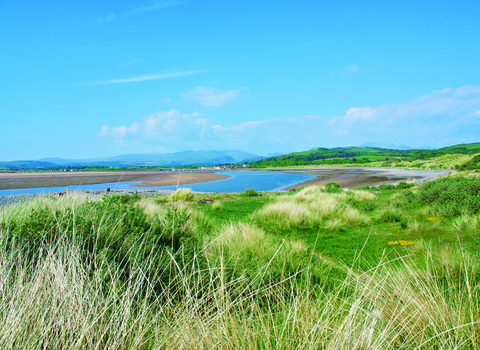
178, 178
345, 177
356, 177
12, 181
389, 177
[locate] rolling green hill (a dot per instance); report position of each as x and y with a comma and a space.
362, 156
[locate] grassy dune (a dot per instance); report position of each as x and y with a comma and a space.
375, 268
448, 161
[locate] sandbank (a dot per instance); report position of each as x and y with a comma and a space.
356, 177
178, 178
151, 178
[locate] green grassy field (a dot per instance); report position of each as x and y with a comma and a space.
388, 267
442, 158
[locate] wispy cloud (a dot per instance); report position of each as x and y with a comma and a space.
210, 96
351, 69
110, 69
155, 76
138, 10
440, 118
155, 6
128, 64
168, 129
111, 17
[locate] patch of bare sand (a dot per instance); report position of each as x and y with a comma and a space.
170, 179
345, 181
356, 177
33, 180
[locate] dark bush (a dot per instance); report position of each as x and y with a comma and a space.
386, 187
452, 195
391, 215
403, 185
409, 196
472, 164
367, 206
250, 192
333, 187
122, 198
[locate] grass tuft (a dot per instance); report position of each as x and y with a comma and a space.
182, 195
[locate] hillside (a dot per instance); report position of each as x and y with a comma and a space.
365, 156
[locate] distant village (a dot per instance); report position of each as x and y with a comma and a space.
118, 168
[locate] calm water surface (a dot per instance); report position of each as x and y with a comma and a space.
237, 182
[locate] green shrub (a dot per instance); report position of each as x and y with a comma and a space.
403, 185
472, 164
332, 187
391, 215
386, 187
452, 196
122, 198
409, 196
367, 206
250, 192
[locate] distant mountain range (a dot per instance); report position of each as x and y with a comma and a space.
184, 158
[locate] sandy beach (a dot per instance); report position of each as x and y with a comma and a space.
356, 177
151, 178
179, 178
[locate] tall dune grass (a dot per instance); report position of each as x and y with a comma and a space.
182, 195
55, 296
314, 206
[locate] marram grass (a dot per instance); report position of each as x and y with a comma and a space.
55, 295
313, 206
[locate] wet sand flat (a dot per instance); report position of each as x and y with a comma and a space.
170, 179
32, 180
356, 177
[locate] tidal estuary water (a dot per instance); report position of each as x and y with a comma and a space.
237, 182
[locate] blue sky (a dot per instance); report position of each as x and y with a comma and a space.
84, 79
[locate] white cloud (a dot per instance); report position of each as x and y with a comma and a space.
170, 130
210, 96
442, 117
166, 100
155, 6
155, 76
117, 132
138, 10
111, 17
128, 63
351, 69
